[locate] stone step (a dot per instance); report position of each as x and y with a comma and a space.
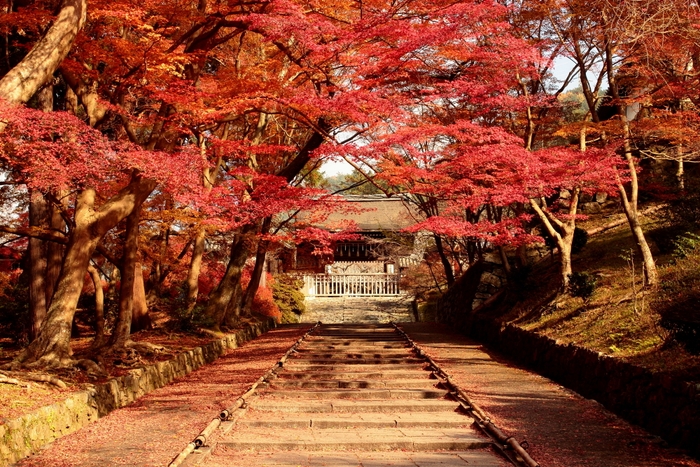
269, 403
254, 419
346, 383
355, 361
373, 394
338, 367
327, 346
408, 439
476, 458
290, 374
347, 355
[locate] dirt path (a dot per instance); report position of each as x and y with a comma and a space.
562, 428
155, 428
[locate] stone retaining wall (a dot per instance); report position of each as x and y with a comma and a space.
25, 435
667, 407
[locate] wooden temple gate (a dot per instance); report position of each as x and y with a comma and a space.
358, 285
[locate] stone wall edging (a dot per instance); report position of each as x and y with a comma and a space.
665, 406
25, 435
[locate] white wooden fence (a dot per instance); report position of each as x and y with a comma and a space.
359, 285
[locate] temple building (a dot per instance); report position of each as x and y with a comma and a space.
368, 266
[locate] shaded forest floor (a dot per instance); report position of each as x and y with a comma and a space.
654, 328
20, 394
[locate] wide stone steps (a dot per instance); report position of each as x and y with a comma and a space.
354, 406
354, 396
256, 419
413, 439
367, 383
363, 394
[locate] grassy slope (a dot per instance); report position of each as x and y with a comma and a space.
616, 321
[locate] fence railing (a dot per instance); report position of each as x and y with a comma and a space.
359, 285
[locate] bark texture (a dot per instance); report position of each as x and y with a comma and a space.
52, 346
35, 70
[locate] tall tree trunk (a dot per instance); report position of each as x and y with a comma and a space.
39, 65
220, 297
192, 281
38, 216
258, 270
52, 346
140, 319
122, 328
54, 252
447, 266
208, 179
630, 202
99, 307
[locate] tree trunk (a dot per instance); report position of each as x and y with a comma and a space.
220, 297
258, 270
629, 202
192, 282
54, 253
25, 79
52, 346
563, 233
122, 328
38, 216
99, 307
140, 319
447, 266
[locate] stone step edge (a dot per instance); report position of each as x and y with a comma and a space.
25, 435
389, 444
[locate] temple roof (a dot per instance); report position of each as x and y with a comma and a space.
376, 213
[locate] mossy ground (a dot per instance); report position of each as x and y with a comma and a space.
621, 318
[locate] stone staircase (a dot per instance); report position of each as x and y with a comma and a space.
354, 395
338, 310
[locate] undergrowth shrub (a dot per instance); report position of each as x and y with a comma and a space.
582, 284
286, 292
191, 320
685, 244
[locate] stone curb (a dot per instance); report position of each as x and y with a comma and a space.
25, 435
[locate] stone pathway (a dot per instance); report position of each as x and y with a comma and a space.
354, 395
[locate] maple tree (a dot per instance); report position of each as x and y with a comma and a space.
192, 130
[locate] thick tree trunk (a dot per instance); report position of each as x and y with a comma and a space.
25, 79
192, 282
258, 270
122, 328
99, 307
38, 216
52, 346
140, 319
220, 297
54, 253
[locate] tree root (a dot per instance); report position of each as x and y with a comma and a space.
39, 378
7, 380
144, 347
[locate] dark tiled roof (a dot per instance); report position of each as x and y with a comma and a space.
378, 213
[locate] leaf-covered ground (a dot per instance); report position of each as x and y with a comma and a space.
154, 429
562, 428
